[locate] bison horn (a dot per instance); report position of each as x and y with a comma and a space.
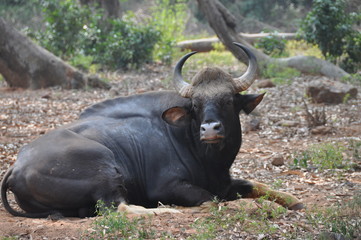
243, 82
182, 86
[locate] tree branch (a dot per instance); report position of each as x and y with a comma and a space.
219, 19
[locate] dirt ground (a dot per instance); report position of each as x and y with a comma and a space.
283, 131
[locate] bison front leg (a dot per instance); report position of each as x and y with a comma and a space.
248, 189
188, 195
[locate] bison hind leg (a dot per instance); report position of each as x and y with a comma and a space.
252, 189
285, 199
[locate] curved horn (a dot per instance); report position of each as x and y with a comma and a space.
245, 81
180, 85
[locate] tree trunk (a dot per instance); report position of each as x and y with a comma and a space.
206, 44
24, 64
223, 23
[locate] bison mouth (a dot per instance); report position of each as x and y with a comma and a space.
212, 140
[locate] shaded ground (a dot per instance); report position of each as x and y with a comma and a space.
25, 115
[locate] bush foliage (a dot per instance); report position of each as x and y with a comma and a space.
72, 29
122, 43
169, 19
273, 45
331, 28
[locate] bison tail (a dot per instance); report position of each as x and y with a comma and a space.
4, 194
4, 198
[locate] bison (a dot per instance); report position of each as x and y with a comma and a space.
173, 147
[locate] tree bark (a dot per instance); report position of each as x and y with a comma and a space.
206, 44
24, 64
223, 23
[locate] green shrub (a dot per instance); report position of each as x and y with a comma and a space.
272, 45
123, 44
278, 74
169, 18
352, 61
331, 28
74, 30
65, 23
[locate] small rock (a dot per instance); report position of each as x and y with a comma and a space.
331, 92
265, 84
113, 92
321, 130
278, 160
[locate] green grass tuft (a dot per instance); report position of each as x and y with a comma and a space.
343, 220
279, 75
115, 225
330, 156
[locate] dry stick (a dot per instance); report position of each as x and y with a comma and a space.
318, 119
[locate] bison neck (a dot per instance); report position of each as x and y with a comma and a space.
217, 159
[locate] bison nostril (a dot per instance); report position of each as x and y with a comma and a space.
217, 126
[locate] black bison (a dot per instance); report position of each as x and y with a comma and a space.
169, 147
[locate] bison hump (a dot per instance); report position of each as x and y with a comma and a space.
141, 105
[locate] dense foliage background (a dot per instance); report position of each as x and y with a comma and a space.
148, 31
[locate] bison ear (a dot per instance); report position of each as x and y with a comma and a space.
249, 102
177, 116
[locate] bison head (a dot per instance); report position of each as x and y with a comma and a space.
215, 100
